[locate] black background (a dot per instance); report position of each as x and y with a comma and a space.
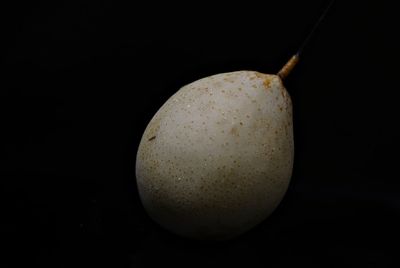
80, 81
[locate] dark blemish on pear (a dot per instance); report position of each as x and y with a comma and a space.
152, 138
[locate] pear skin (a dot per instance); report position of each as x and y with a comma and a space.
217, 157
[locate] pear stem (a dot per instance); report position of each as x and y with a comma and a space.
288, 67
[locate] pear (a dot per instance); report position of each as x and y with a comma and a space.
217, 157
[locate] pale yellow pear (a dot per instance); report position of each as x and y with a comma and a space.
217, 157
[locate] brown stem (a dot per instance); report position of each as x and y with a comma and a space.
287, 68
